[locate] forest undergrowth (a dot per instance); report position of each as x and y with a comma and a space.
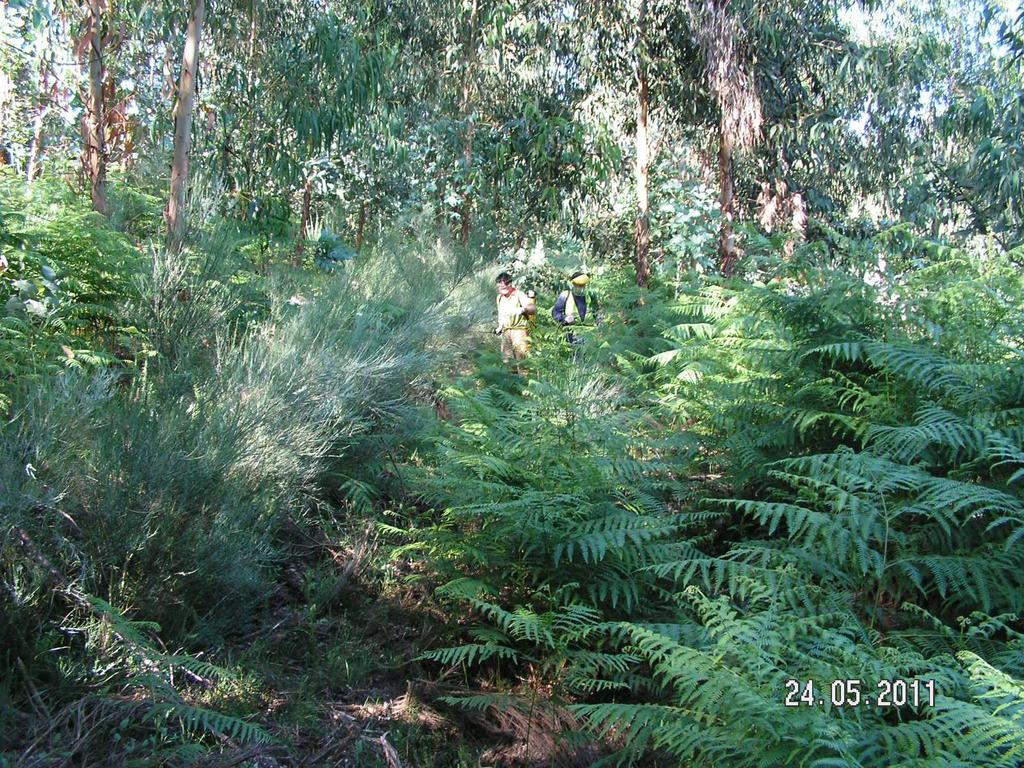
269, 497
258, 517
788, 533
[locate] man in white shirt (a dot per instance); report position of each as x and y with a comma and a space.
514, 308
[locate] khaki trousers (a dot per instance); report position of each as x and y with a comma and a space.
514, 343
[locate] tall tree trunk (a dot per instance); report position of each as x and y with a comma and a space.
469, 57
726, 206
643, 222
175, 214
467, 160
300, 243
225, 161
36, 149
361, 227
93, 124
441, 212
719, 32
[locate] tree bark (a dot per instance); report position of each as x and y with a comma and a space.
467, 159
726, 206
441, 211
361, 227
643, 222
35, 151
175, 214
469, 50
300, 243
225, 161
93, 124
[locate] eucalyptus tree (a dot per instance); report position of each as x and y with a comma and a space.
282, 82
768, 69
91, 20
68, 95
970, 176
184, 105
643, 100
501, 114
908, 110
991, 181
545, 156
842, 109
29, 52
718, 28
806, 116
41, 30
643, 45
470, 23
696, 66
486, 101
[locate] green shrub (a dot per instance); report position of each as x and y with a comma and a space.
69, 280
552, 501
166, 496
875, 535
862, 519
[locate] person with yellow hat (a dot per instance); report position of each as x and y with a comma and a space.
571, 306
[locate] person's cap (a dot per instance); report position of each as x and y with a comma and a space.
579, 278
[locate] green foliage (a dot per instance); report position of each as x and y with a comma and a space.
554, 501
862, 450
684, 227
69, 281
171, 496
548, 491
887, 548
812, 475
133, 707
980, 160
725, 692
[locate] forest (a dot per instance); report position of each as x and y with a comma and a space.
481, 383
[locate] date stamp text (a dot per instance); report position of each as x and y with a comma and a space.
858, 693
